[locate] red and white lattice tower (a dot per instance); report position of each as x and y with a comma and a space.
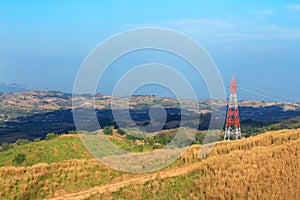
232, 128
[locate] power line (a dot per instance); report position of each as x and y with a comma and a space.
268, 91
262, 95
293, 90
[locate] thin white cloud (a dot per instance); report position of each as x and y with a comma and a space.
260, 16
277, 28
217, 29
200, 22
294, 7
203, 27
264, 13
214, 29
279, 31
185, 23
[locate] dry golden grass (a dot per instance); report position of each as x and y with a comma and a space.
42, 180
261, 167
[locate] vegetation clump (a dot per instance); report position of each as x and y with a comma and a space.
20, 142
6, 146
19, 159
50, 136
108, 130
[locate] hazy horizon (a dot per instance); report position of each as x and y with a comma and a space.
146, 94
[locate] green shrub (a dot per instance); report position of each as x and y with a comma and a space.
19, 159
199, 137
50, 136
135, 134
108, 130
120, 131
6, 146
150, 140
37, 139
20, 142
72, 132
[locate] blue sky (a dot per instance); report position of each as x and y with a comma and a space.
43, 43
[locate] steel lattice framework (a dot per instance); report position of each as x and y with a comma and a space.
232, 128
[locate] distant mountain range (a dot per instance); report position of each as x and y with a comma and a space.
12, 88
27, 103
34, 113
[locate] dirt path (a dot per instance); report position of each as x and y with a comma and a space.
139, 178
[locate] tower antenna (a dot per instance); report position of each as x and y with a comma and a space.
232, 128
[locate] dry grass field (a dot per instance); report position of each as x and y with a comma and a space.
261, 167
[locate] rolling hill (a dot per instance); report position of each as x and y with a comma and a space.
261, 167
33, 114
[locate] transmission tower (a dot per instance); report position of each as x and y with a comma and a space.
232, 129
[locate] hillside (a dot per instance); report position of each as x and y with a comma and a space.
33, 114
63, 148
27, 103
261, 167
263, 173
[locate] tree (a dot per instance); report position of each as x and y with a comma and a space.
108, 130
50, 136
19, 159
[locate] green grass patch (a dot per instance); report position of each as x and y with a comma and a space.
56, 150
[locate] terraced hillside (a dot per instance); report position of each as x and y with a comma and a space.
261, 167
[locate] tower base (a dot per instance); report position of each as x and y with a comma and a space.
231, 134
